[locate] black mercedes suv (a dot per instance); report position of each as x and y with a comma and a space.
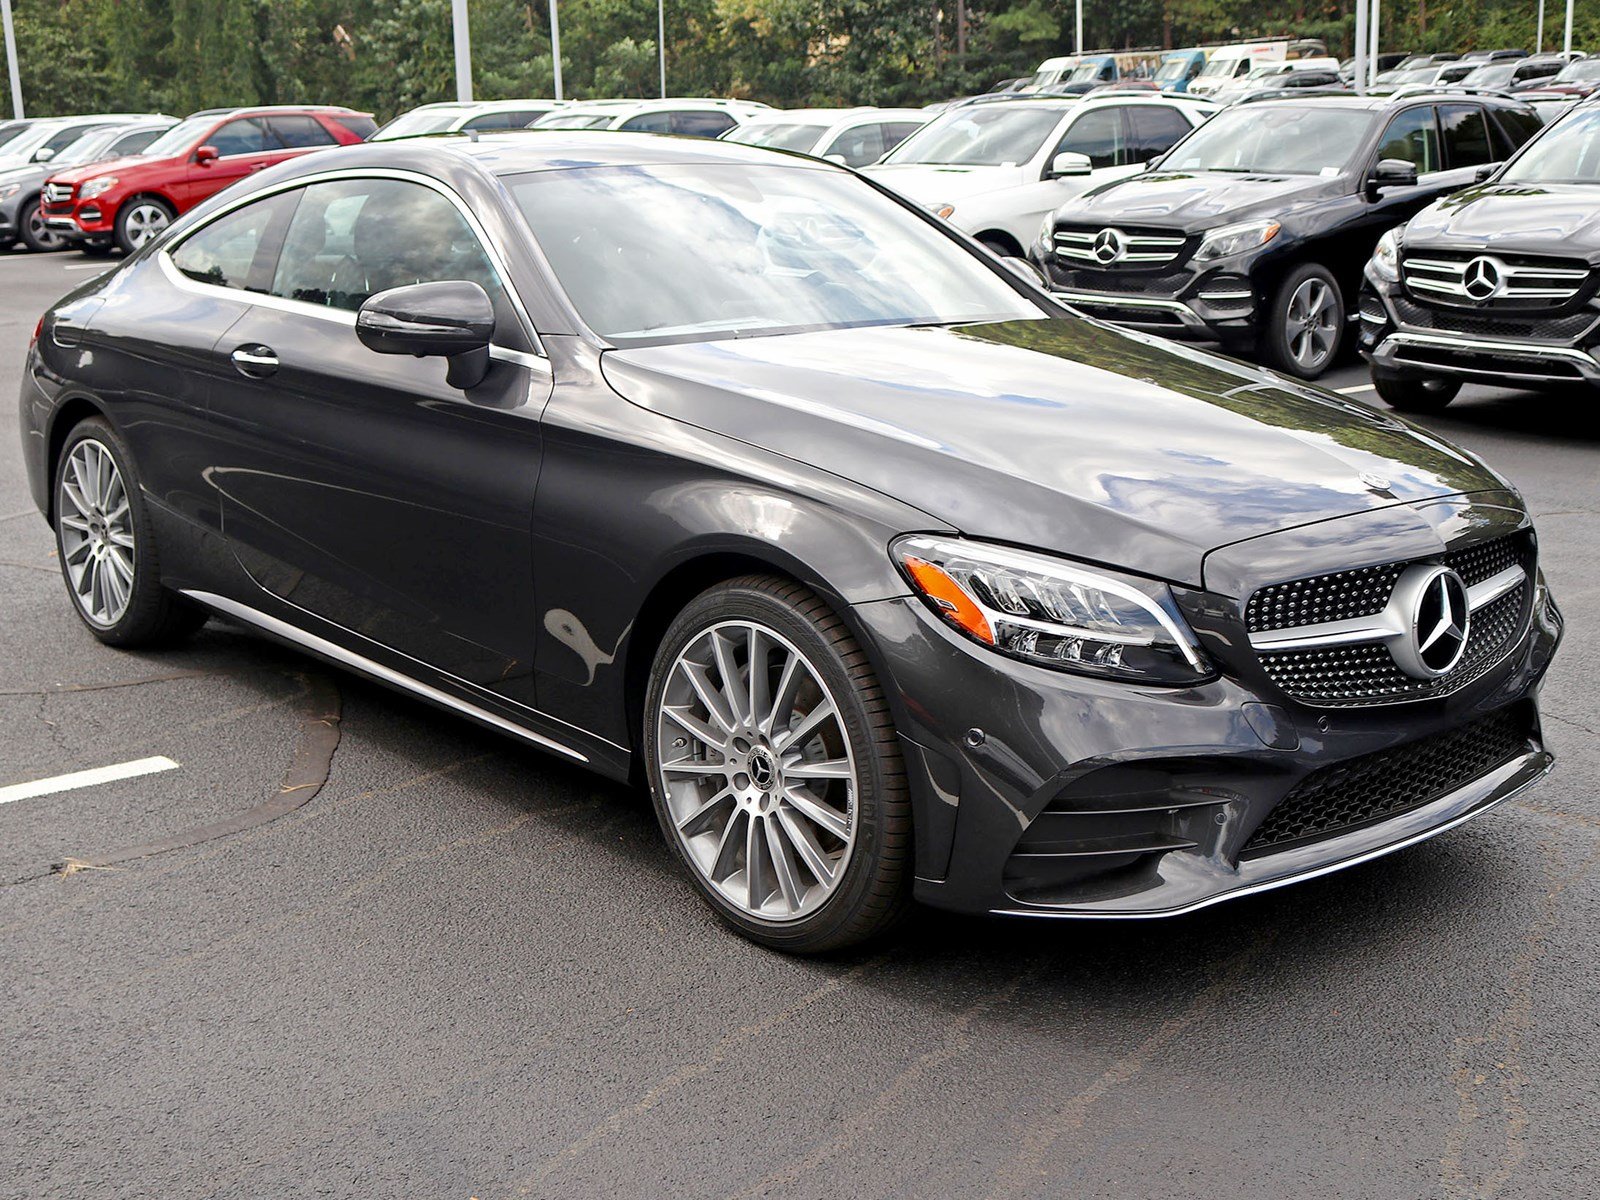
1495, 282
1253, 230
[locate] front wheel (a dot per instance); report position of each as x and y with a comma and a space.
1305, 327
775, 769
36, 235
1415, 394
139, 220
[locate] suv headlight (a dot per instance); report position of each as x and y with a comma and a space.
1042, 243
1235, 239
97, 187
1052, 612
1386, 258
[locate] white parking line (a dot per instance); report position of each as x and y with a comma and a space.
1351, 391
83, 779
88, 267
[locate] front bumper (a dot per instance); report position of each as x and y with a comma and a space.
1044, 794
80, 220
1499, 352
1217, 304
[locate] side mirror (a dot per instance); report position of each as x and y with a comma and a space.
205, 156
1483, 172
44, 154
451, 319
1065, 166
837, 158
1392, 172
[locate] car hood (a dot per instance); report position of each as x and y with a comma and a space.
23, 172
1559, 219
927, 184
1060, 434
1193, 200
110, 166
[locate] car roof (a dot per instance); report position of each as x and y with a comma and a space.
246, 110
521, 151
833, 116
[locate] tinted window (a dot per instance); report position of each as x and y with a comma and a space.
858, 146
896, 132
362, 127
224, 252
701, 124
1098, 134
656, 122
1516, 126
295, 132
1541, 70
248, 135
354, 237
65, 137
490, 121
132, 143
1155, 130
1411, 138
1466, 135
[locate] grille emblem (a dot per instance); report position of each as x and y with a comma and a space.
1482, 279
1440, 618
1108, 246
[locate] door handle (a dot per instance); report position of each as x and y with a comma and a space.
259, 166
257, 362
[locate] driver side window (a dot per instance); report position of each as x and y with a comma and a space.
1097, 134
1412, 137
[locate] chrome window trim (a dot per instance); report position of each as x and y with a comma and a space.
497, 257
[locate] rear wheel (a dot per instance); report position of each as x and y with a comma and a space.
141, 219
36, 235
107, 546
1306, 325
1423, 394
96, 249
775, 768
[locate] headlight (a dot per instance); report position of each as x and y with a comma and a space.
9, 190
1042, 244
1386, 258
1052, 612
1236, 239
97, 187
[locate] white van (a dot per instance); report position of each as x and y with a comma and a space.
1228, 63
1052, 73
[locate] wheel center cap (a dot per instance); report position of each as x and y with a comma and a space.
763, 772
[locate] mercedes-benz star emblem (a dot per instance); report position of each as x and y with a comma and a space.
1482, 278
1440, 619
762, 772
1107, 246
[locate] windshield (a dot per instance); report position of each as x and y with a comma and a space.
1085, 72
30, 139
180, 137
1219, 66
418, 121
1173, 68
1273, 139
730, 250
998, 135
574, 121
1568, 152
777, 135
1490, 76
1048, 78
89, 147
1586, 71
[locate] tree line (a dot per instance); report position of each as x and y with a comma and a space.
385, 56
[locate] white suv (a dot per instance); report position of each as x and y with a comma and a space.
852, 137
692, 118
996, 167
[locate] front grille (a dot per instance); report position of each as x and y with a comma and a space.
57, 193
1137, 248
1527, 283
1162, 287
1378, 786
1492, 324
1360, 673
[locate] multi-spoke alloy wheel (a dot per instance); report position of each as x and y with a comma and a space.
106, 544
1308, 324
757, 770
97, 540
140, 221
775, 768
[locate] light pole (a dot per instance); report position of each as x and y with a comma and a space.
1566, 42
1374, 25
458, 19
661, 42
1077, 44
555, 45
1538, 38
16, 77
1361, 46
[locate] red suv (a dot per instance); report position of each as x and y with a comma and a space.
127, 201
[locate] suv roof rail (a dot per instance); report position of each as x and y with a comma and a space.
1292, 94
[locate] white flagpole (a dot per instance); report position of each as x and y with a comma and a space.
16, 76
555, 45
458, 18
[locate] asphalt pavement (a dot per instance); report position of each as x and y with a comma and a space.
349, 946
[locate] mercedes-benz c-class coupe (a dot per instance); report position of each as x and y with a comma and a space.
728, 472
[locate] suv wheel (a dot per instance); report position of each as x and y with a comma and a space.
36, 235
1422, 394
1306, 325
140, 220
106, 544
775, 768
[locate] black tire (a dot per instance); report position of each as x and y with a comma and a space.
1416, 394
1000, 248
153, 615
1300, 341
133, 220
35, 235
95, 249
873, 892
